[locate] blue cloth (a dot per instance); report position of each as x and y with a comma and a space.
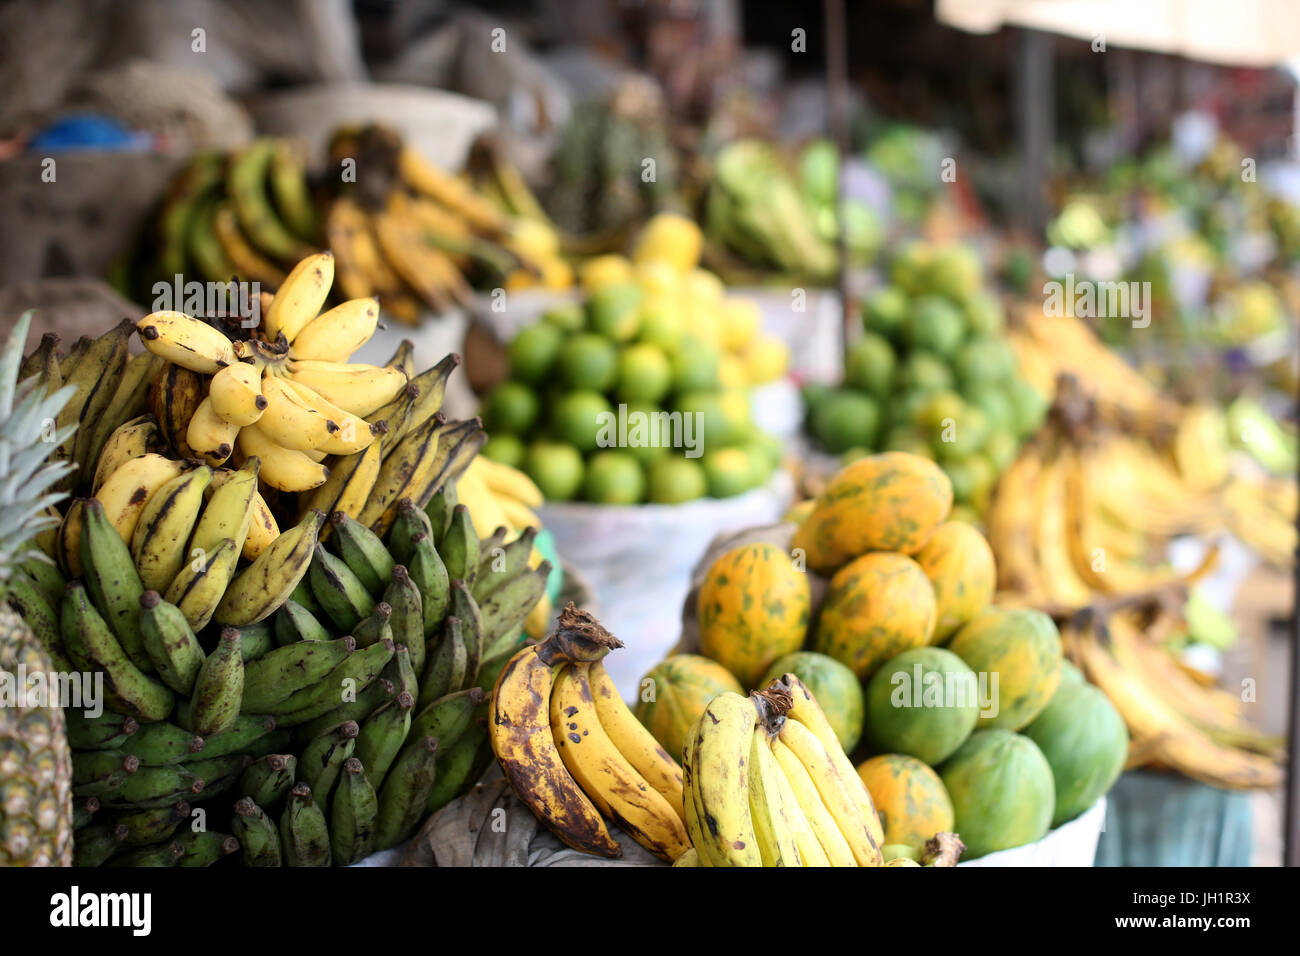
1162, 819
88, 131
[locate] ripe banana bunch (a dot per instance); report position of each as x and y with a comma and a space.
1262, 513
767, 784
575, 754
499, 496
1174, 721
1074, 521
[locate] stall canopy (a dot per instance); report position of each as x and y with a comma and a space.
1252, 33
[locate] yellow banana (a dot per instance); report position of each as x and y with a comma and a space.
249, 263
605, 774
633, 741
289, 421
200, 584
209, 435
299, 298
359, 389
158, 544
690, 858
485, 508
334, 335
773, 818
125, 493
718, 769
836, 792
130, 440
185, 341
68, 546
424, 177
282, 468
354, 433
510, 482
236, 394
1051, 542
349, 484
263, 586
834, 847
229, 509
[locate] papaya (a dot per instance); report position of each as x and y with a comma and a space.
754, 606
1021, 648
1071, 674
1002, 791
835, 688
673, 694
1085, 742
909, 797
887, 502
924, 703
877, 606
959, 563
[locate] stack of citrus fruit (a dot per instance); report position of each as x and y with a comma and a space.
641, 392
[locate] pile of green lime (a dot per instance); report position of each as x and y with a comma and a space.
932, 374
609, 403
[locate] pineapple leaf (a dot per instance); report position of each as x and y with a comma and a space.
10, 361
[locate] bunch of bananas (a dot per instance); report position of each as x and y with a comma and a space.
573, 751
768, 784
336, 700
1175, 722
416, 236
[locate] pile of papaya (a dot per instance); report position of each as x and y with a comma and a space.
961, 715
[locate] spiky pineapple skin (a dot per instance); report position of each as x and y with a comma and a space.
35, 763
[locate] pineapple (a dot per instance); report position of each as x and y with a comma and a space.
35, 764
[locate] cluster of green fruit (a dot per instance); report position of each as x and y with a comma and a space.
329, 724
614, 402
931, 375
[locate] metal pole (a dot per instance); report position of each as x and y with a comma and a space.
837, 86
1036, 102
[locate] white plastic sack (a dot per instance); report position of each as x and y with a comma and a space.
638, 561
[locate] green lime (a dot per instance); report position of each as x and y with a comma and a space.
695, 366
510, 409
924, 372
556, 468
614, 477
1001, 447
568, 317
708, 422
966, 434
533, 351
885, 312
584, 420
644, 374
983, 477
985, 315
869, 365
906, 439
614, 310
647, 434
661, 325
506, 449
962, 477
953, 272
908, 269
588, 361
995, 405
940, 410
984, 361
674, 479
729, 471
846, 419
936, 326
1030, 405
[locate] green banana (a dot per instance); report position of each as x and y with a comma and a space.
268, 779
367, 702
259, 838
101, 772
94, 376
432, 383
446, 719
246, 184
162, 743
405, 792
158, 544
395, 416
202, 244
459, 547
45, 574
302, 595
201, 176
438, 511
258, 590
456, 768
401, 673
403, 358
375, 627
218, 774
323, 756
505, 609
219, 688
255, 640
350, 678
280, 674
92, 646
112, 581
407, 621
129, 400
353, 816
229, 511
466, 610
170, 642
42, 617
382, 735
205, 847
248, 731
162, 854
303, 831
154, 825
201, 584
448, 669
277, 741
96, 844
340, 593
495, 568
431, 579
43, 362
363, 552
83, 812
289, 189
108, 731
408, 522
294, 624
